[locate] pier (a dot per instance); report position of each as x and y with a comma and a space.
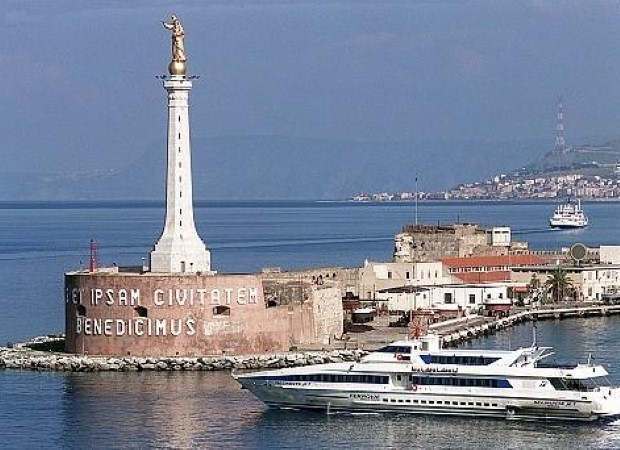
457, 331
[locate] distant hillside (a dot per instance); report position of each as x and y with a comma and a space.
272, 167
588, 160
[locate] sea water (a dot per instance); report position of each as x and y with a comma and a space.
40, 241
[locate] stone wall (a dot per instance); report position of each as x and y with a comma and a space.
328, 314
429, 243
145, 314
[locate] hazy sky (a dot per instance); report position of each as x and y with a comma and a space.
78, 88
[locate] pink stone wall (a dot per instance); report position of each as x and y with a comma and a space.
103, 315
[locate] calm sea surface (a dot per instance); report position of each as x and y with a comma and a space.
38, 242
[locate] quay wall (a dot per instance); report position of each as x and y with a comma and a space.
462, 330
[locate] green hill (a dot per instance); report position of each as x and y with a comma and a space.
589, 160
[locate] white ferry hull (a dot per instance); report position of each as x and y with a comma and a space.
419, 377
419, 402
567, 226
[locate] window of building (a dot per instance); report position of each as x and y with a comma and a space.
447, 297
407, 275
81, 310
141, 311
389, 275
472, 299
221, 310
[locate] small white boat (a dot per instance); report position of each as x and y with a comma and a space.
569, 215
420, 377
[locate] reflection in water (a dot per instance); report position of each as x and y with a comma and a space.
207, 410
179, 409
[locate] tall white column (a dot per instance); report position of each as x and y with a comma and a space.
179, 248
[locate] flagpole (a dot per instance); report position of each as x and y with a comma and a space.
416, 200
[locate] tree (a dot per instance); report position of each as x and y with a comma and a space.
558, 283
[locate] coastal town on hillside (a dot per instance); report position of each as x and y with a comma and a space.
511, 187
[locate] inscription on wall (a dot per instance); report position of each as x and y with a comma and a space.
159, 299
163, 297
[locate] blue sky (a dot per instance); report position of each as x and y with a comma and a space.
78, 88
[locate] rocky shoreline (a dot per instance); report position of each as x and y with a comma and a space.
29, 356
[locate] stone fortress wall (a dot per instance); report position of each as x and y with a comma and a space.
129, 313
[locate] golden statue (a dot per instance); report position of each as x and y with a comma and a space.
178, 64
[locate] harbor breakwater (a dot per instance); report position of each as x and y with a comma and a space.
22, 357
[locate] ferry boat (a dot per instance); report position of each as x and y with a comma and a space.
418, 376
569, 215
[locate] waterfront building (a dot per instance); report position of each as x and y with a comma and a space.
432, 242
483, 269
377, 276
450, 300
590, 282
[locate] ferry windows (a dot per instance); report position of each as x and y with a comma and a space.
141, 311
459, 360
221, 310
461, 382
81, 310
332, 378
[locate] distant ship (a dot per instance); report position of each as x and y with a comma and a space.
569, 215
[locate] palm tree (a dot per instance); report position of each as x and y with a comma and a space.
558, 283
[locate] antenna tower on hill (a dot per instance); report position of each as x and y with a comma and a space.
560, 145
